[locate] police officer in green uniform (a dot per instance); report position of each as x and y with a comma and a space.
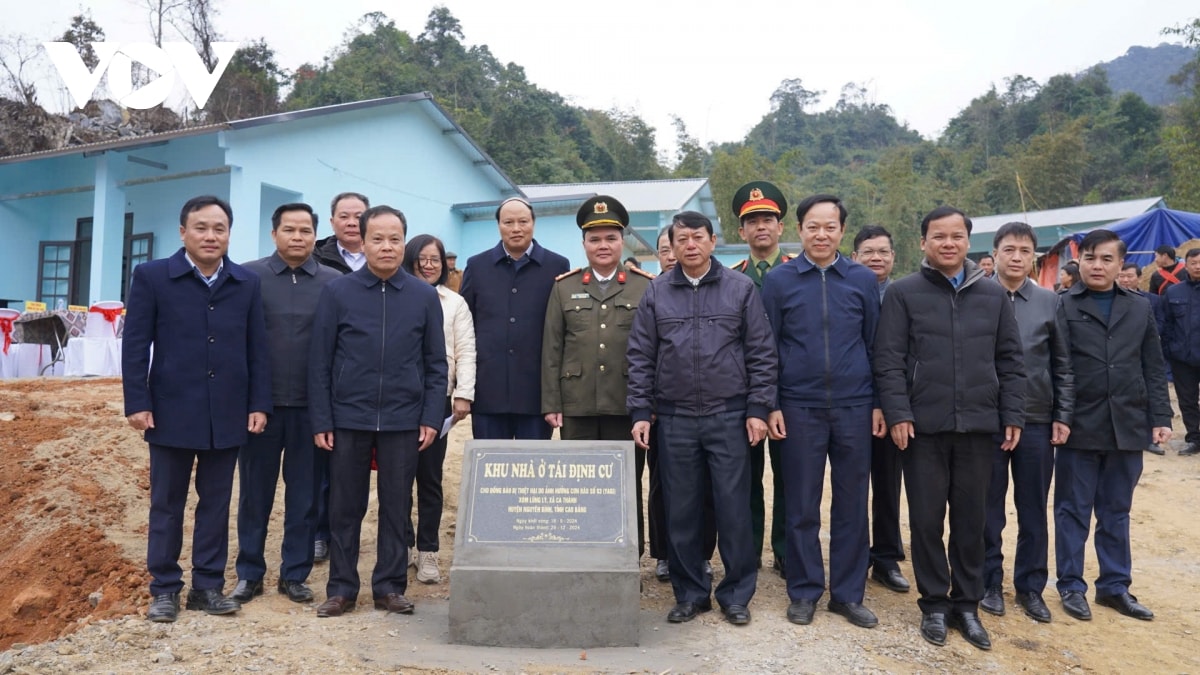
584, 375
759, 207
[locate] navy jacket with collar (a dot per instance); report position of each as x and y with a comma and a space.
1181, 327
211, 366
509, 309
378, 355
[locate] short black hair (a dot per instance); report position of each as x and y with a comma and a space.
1192, 253
381, 210
939, 213
808, 202
1072, 268
412, 253
666, 231
871, 232
692, 220
1097, 237
1133, 266
988, 256
348, 195
532, 215
295, 206
197, 203
1013, 229
633, 261
1165, 249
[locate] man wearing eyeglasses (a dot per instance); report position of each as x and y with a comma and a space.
873, 248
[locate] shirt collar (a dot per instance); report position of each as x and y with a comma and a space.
207, 280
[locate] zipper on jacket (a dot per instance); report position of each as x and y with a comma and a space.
382, 358
825, 330
293, 278
696, 378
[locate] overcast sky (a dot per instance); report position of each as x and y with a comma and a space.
713, 64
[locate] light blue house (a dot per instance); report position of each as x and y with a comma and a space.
1053, 225
76, 220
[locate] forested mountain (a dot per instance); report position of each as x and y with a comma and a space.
1146, 71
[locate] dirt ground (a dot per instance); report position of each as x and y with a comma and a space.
73, 595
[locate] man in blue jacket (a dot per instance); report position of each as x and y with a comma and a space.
702, 358
824, 309
506, 289
1181, 342
208, 383
377, 386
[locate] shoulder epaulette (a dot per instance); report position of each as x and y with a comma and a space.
740, 265
785, 258
564, 275
642, 272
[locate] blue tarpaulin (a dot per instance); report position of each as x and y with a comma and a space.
1145, 232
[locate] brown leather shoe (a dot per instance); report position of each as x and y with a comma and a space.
394, 603
335, 606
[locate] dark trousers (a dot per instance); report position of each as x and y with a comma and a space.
350, 482
887, 547
510, 426
287, 440
940, 469
1102, 482
321, 480
170, 474
611, 428
1032, 466
759, 452
1187, 392
429, 494
708, 451
658, 510
841, 436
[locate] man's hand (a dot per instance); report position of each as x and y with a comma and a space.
427, 435
1161, 435
258, 422
901, 432
141, 420
461, 408
553, 419
776, 429
1059, 433
1012, 436
878, 425
324, 440
756, 430
641, 434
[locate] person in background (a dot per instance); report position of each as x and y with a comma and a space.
425, 257
988, 264
873, 247
1170, 271
453, 274
1068, 276
291, 284
506, 289
196, 375
631, 263
1181, 342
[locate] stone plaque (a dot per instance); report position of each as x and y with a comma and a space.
524, 497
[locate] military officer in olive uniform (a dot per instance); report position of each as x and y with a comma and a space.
759, 207
588, 317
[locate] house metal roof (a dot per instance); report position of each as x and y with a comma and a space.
636, 196
1070, 217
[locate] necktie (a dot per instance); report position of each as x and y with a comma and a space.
763, 266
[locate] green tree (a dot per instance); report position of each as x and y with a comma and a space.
250, 86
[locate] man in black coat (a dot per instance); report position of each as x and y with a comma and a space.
949, 373
1121, 404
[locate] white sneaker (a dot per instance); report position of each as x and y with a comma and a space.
427, 567
412, 556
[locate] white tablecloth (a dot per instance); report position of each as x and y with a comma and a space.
93, 356
25, 360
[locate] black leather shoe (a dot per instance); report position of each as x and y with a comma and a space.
246, 590
1189, 449
394, 603
335, 606
296, 591
320, 551
662, 571
1035, 608
686, 611
780, 567
855, 613
212, 601
993, 601
1127, 605
801, 612
1155, 449
1076, 605
933, 628
972, 630
892, 580
738, 615
164, 608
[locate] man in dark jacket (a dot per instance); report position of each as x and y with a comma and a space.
949, 373
701, 356
1181, 342
291, 283
377, 382
1170, 271
1049, 402
824, 309
207, 383
506, 289
343, 250
1121, 403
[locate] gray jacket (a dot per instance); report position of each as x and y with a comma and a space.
1049, 381
701, 350
289, 302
